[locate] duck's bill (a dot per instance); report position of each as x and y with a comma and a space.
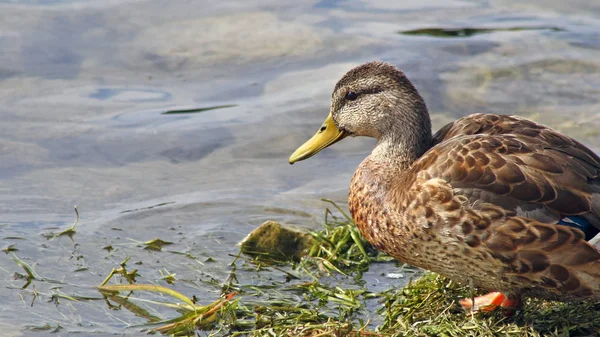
327, 135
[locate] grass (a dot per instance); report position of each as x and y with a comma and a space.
428, 307
325, 294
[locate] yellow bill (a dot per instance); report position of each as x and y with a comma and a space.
327, 135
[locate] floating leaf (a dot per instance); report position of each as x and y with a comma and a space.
194, 316
10, 248
31, 275
68, 232
168, 277
156, 244
150, 288
128, 275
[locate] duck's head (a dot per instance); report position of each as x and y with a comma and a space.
373, 100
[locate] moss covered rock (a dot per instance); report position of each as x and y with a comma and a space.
276, 241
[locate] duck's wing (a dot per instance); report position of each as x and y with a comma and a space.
519, 165
499, 188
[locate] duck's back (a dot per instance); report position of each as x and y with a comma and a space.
523, 167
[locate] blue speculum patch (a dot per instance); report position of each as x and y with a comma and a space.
580, 223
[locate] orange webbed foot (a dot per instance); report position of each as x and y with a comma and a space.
490, 302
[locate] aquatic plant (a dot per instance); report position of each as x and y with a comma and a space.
324, 294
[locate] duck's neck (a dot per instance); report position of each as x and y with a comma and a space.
404, 142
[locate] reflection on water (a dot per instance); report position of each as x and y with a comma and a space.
466, 32
131, 95
175, 120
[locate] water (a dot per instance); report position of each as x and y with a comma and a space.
85, 85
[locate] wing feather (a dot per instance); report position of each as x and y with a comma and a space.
517, 164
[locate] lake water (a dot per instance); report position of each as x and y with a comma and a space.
84, 85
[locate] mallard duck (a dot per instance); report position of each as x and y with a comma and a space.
498, 201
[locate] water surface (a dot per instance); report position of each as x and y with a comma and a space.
87, 94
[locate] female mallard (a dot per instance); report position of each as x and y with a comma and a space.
499, 200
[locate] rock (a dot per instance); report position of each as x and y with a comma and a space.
277, 242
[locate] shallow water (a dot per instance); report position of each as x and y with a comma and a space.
85, 86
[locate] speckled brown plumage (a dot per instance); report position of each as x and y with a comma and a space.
480, 200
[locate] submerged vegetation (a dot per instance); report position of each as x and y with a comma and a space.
467, 32
197, 110
329, 288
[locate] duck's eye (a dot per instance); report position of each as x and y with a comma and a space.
351, 95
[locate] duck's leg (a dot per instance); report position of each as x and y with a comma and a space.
490, 302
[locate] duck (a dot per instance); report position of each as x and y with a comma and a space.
497, 201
